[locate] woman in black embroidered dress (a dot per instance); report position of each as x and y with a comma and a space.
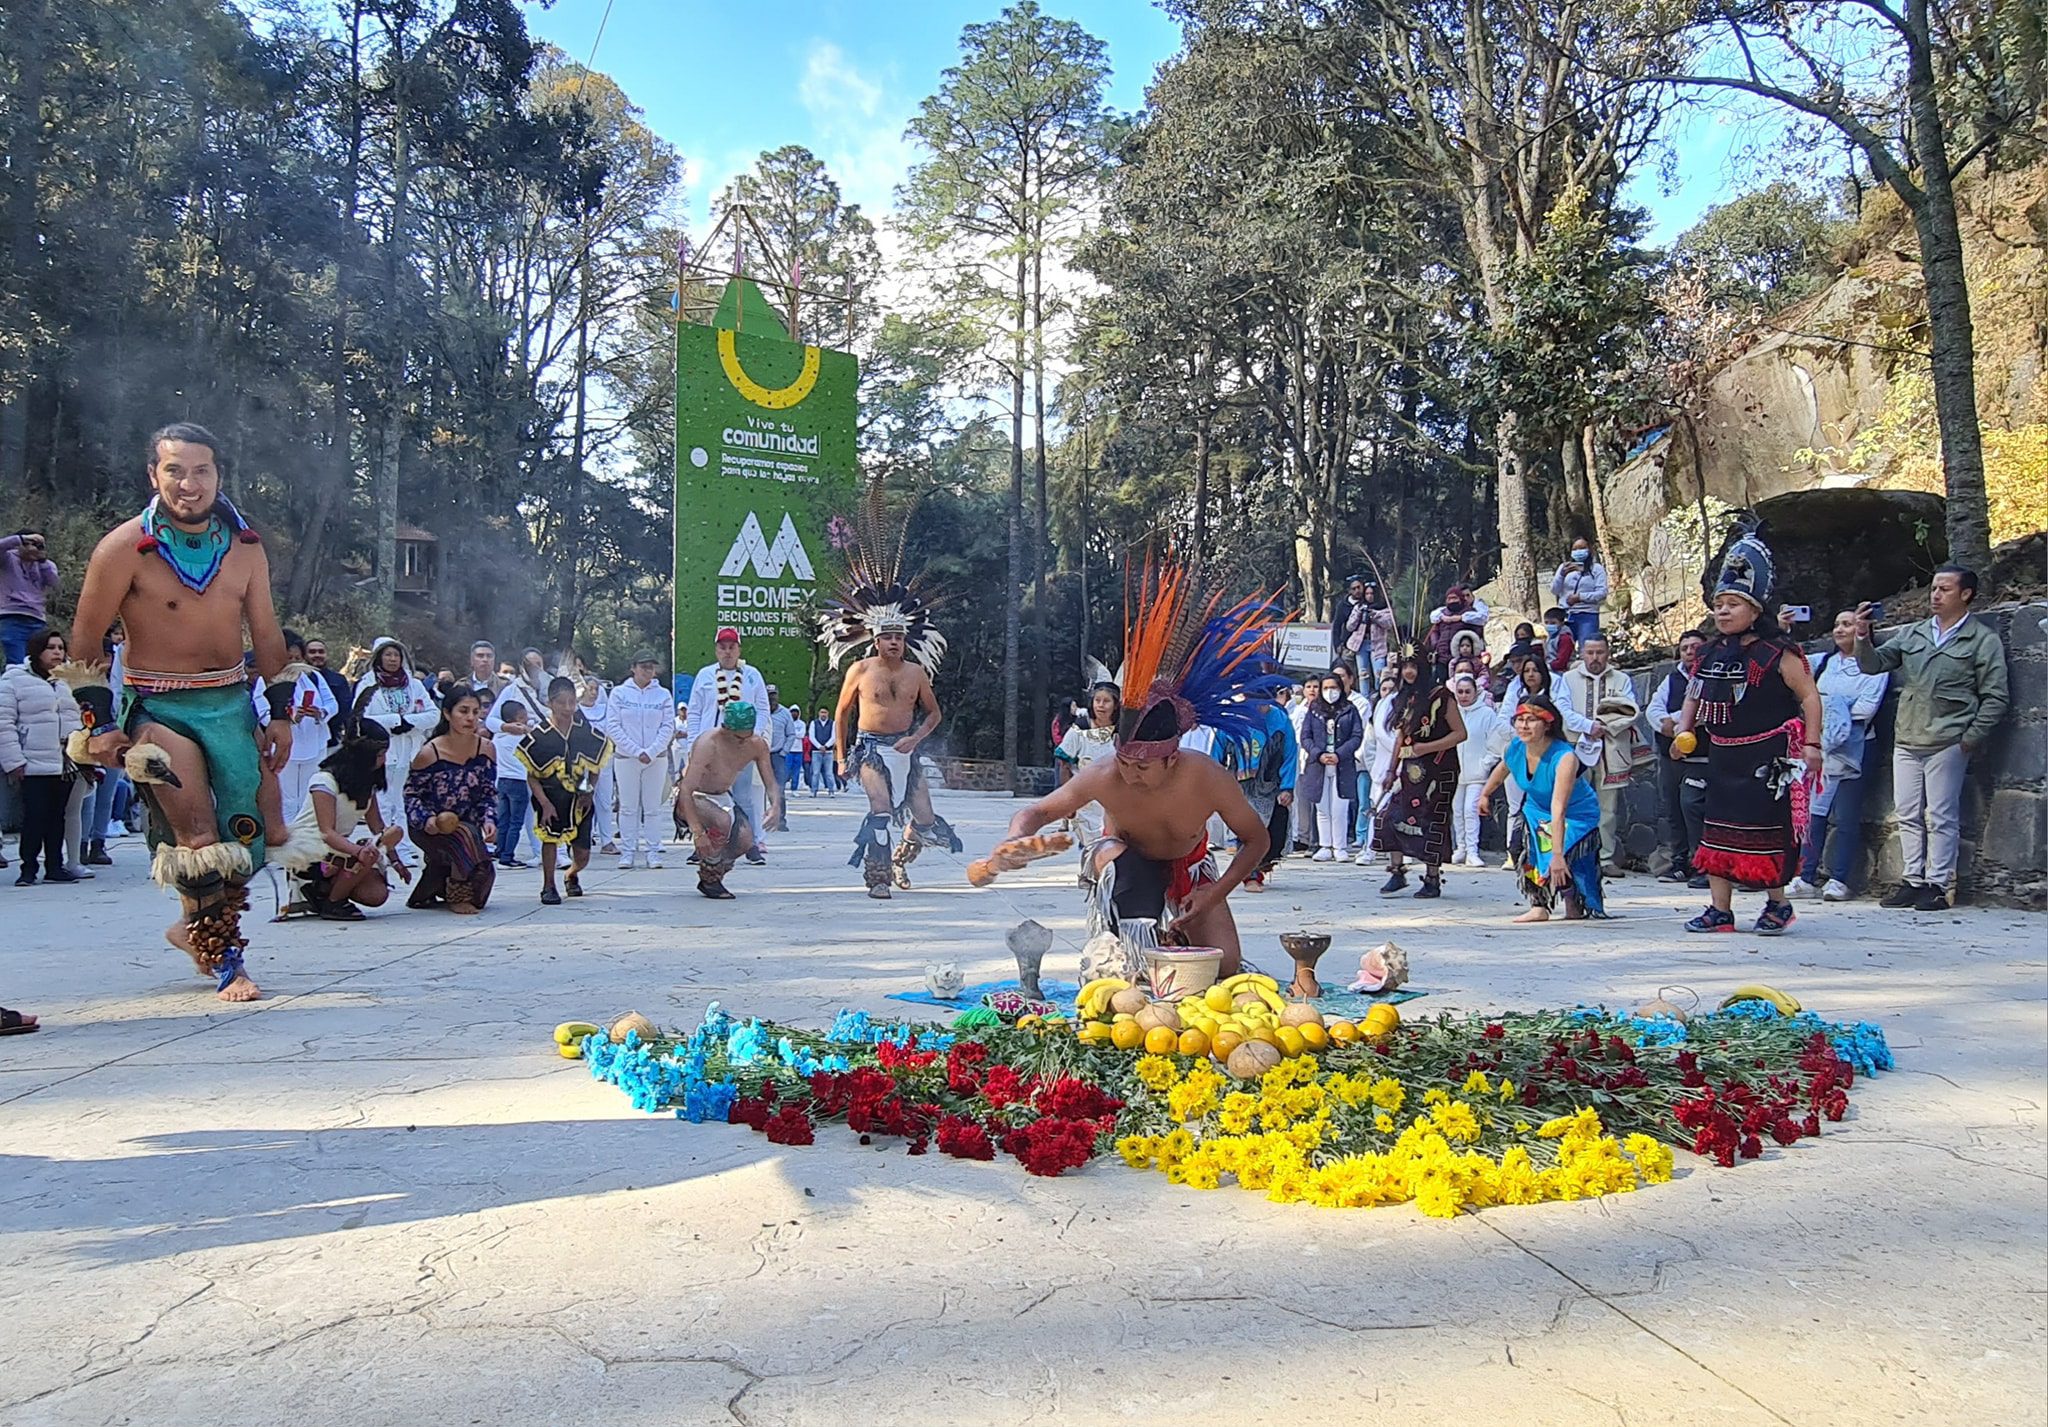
1416, 818
1753, 700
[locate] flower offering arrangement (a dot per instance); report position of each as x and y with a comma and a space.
1459, 1112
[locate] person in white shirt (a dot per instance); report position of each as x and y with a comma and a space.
1297, 711
642, 728
1486, 738
1378, 752
515, 798
726, 680
529, 687
594, 698
1608, 698
391, 694
313, 708
1682, 782
785, 733
1580, 588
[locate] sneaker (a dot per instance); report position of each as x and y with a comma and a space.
96, 855
1713, 919
654, 862
1775, 919
1365, 858
716, 891
1394, 883
1324, 854
1836, 891
610, 849
626, 863
549, 897
1901, 897
1672, 874
756, 856
65, 874
1799, 889
1507, 864
691, 860
1932, 898
1613, 871
1477, 860
1698, 882
25, 878
573, 885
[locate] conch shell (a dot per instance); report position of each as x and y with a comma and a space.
943, 979
1382, 968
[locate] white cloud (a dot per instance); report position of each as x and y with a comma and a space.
832, 86
855, 129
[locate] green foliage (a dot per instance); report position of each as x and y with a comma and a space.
1768, 248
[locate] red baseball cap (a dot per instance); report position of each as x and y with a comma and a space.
728, 632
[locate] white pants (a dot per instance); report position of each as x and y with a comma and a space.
643, 812
293, 783
74, 822
1465, 821
602, 822
1333, 815
1927, 797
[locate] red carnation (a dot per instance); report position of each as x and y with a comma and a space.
789, 1126
1494, 1031
964, 1138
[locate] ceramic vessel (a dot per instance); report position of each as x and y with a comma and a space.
1177, 971
1306, 948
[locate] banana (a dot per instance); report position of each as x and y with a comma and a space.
1093, 999
570, 1032
1786, 1005
1255, 979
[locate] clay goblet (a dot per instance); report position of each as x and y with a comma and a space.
1306, 948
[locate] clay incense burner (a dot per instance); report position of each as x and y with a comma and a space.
1306, 948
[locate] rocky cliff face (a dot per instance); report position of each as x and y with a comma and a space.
1832, 392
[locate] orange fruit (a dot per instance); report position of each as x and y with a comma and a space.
1126, 1035
1193, 1043
1225, 1043
1291, 1043
1160, 1041
1343, 1032
1312, 1035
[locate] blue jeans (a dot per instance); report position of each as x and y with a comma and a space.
792, 770
14, 632
99, 813
515, 800
1844, 818
1583, 623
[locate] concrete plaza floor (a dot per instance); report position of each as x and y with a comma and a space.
378, 1196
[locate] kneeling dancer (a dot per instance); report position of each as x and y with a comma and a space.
886, 705
184, 577
1155, 879
704, 797
451, 805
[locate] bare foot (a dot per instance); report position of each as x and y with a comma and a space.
462, 909
178, 936
240, 989
1305, 983
1535, 914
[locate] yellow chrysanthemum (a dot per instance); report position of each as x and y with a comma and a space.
1156, 1073
1383, 1122
1138, 1150
1388, 1094
1436, 1095
1457, 1121
1477, 1084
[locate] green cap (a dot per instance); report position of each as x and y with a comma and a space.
739, 716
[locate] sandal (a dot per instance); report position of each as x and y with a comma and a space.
14, 1023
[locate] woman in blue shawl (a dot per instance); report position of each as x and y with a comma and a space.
1559, 858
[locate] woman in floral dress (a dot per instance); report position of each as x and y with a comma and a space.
451, 799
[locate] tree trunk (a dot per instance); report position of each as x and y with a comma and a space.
1013, 590
24, 159
341, 435
1603, 545
1517, 568
1202, 422
394, 369
1951, 341
1041, 653
1577, 503
572, 524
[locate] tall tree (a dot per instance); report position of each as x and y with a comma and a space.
813, 232
1010, 145
1920, 90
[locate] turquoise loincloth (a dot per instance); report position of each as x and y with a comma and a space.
223, 724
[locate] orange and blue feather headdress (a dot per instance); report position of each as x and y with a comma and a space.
1190, 661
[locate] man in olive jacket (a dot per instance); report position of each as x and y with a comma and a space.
1952, 693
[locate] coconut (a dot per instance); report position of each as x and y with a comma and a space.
1658, 1006
1252, 1059
632, 1021
1248, 998
1159, 1015
1130, 1001
1300, 1013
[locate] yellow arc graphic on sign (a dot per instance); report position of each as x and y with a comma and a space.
778, 399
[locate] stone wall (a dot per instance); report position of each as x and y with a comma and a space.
979, 775
2005, 806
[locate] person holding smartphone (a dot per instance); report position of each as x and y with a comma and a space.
28, 577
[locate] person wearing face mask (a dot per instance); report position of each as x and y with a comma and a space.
1330, 735
1560, 645
1580, 585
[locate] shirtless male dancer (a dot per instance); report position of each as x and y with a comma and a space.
1155, 880
185, 577
704, 795
878, 732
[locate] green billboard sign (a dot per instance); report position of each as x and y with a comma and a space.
765, 457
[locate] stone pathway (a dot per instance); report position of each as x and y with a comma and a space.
378, 1197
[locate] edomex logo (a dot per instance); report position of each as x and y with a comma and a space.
751, 547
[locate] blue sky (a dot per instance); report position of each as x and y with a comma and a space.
722, 82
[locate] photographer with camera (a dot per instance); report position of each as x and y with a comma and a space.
1952, 693
28, 576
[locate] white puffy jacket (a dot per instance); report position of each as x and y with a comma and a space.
36, 716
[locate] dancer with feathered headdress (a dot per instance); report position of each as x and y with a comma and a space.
882, 621
1190, 660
